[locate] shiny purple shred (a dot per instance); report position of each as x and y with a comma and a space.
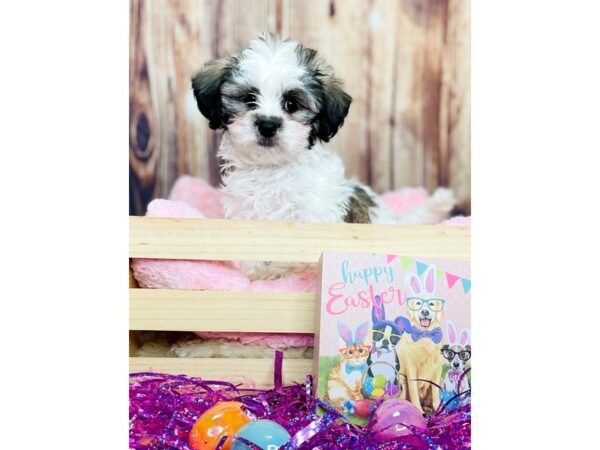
163, 408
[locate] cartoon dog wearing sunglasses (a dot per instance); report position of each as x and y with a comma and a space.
457, 353
419, 349
383, 358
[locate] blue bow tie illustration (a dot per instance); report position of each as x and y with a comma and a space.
359, 368
435, 335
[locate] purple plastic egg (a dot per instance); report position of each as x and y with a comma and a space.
391, 389
393, 417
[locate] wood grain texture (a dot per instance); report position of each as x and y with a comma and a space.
228, 240
178, 310
455, 131
259, 370
405, 63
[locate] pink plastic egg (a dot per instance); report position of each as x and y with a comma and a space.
393, 417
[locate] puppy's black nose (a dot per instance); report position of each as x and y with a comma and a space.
426, 312
268, 126
455, 365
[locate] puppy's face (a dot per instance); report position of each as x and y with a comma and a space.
425, 314
274, 100
385, 336
457, 356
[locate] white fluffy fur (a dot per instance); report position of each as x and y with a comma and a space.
289, 180
215, 348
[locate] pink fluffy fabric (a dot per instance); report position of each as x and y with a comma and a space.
194, 198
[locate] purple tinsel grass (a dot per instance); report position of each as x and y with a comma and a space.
163, 408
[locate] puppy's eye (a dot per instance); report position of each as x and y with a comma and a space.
250, 100
290, 106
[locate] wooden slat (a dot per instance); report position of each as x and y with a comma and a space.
168, 238
259, 370
456, 102
175, 310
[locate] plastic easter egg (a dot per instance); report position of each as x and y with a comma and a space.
379, 381
393, 417
377, 392
267, 434
391, 389
362, 408
225, 418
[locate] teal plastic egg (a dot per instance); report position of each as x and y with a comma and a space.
267, 434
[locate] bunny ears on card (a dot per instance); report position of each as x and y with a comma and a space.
413, 281
462, 340
359, 335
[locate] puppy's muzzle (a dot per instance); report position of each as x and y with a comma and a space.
268, 126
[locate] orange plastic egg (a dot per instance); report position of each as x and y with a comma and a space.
225, 418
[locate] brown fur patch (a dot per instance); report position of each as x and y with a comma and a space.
358, 207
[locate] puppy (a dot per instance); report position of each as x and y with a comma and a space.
277, 104
420, 346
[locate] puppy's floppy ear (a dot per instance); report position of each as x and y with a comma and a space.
207, 90
334, 109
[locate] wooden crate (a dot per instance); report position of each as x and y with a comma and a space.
226, 240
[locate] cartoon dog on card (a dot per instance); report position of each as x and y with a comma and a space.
457, 353
419, 349
383, 362
345, 379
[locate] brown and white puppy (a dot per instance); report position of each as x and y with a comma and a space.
277, 104
420, 345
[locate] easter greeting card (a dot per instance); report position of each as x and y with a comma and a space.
387, 321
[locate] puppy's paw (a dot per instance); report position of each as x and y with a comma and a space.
259, 270
434, 210
442, 200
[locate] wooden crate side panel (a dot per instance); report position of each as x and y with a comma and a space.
179, 310
259, 370
167, 238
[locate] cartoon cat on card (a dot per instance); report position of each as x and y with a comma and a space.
345, 378
420, 345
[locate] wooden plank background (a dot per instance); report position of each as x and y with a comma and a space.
406, 63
